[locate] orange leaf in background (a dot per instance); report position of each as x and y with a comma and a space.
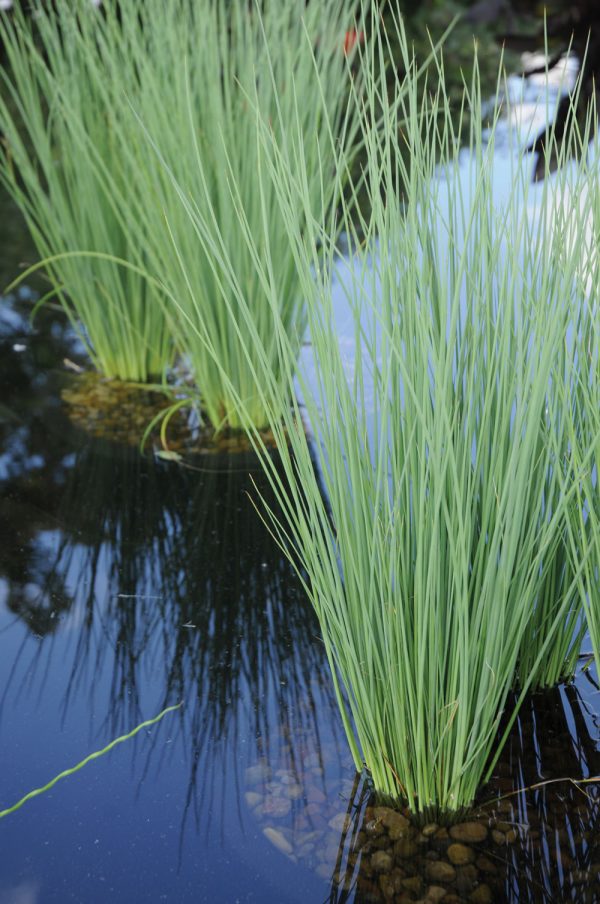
351, 38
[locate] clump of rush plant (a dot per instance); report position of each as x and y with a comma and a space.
559, 609
440, 443
584, 449
194, 178
62, 161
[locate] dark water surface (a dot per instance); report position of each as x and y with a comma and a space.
128, 584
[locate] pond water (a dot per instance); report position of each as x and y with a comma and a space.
129, 584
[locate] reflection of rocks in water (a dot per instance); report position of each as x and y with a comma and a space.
540, 844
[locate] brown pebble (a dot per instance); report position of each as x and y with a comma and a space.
396, 824
466, 877
459, 854
469, 832
381, 843
405, 848
413, 884
374, 827
387, 887
430, 829
511, 836
485, 865
481, 895
381, 862
440, 871
435, 893
498, 837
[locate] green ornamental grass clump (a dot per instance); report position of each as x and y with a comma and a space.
282, 66
442, 445
62, 161
192, 175
126, 122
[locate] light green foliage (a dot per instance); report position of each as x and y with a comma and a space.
442, 450
62, 161
584, 450
193, 176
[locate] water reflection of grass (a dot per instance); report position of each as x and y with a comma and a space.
167, 575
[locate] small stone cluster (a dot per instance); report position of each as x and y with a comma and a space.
401, 862
377, 850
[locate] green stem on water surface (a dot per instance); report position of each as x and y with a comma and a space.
93, 756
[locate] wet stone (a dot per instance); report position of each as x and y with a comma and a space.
278, 807
459, 854
257, 774
468, 832
439, 871
381, 862
292, 791
340, 822
435, 893
413, 884
466, 877
481, 895
324, 871
278, 840
498, 837
405, 848
485, 865
252, 799
396, 824
374, 827
430, 829
381, 843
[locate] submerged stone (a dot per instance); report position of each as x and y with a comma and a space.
469, 832
459, 854
278, 840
